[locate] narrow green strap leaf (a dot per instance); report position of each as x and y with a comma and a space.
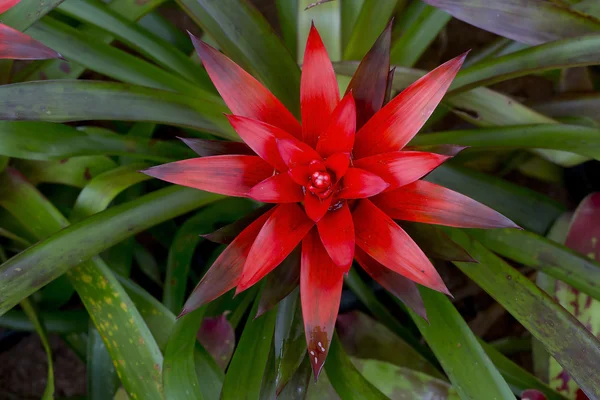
584, 105
101, 191
110, 309
576, 139
27, 12
75, 100
569, 342
43, 262
347, 381
75, 171
287, 10
525, 21
102, 379
244, 376
63, 321
58, 69
417, 26
160, 26
244, 35
29, 309
110, 61
552, 258
350, 12
179, 373
373, 17
470, 370
132, 34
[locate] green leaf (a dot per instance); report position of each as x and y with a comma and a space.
417, 26
110, 309
526, 207
404, 383
327, 19
347, 381
179, 373
470, 370
548, 256
349, 13
74, 100
43, 262
580, 105
110, 61
29, 309
75, 171
287, 10
102, 379
243, 378
27, 12
563, 336
576, 139
244, 35
373, 17
365, 338
573, 52
132, 34
63, 321
160, 26
185, 241
525, 21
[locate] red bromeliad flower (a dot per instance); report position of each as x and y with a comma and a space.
17, 45
339, 180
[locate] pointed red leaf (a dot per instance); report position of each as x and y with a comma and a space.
396, 123
243, 94
320, 293
229, 175
359, 184
429, 203
226, 271
400, 168
207, 148
228, 233
296, 153
315, 207
401, 287
338, 163
336, 230
281, 282
19, 46
262, 138
381, 238
339, 135
445, 149
6, 5
319, 92
279, 188
284, 229
370, 81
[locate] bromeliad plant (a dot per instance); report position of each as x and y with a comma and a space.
324, 200
339, 180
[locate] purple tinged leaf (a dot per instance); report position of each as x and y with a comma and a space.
280, 282
218, 338
226, 234
206, 148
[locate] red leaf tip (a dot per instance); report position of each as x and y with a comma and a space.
183, 312
318, 347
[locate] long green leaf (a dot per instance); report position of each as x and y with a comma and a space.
102, 379
347, 381
75, 100
287, 10
155, 48
27, 12
546, 255
43, 262
110, 309
525, 21
100, 57
373, 17
584, 105
63, 321
243, 378
576, 139
470, 370
349, 14
30, 310
245, 36
569, 342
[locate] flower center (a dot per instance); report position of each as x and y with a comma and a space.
320, 184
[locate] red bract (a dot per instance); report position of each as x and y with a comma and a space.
339, 180
17, 45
